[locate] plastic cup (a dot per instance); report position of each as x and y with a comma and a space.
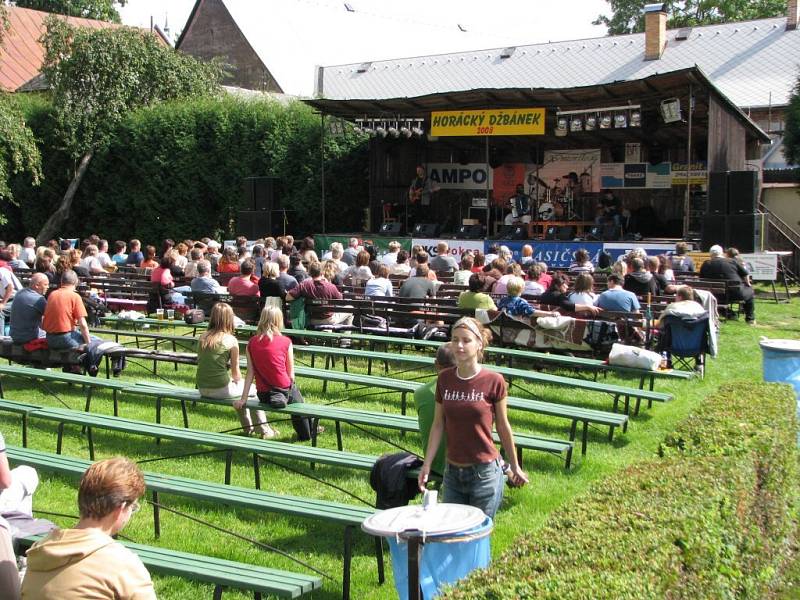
171, 314
160, 314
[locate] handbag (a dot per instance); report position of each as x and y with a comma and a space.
194, 316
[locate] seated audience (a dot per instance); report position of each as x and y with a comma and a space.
443, 262
229, 263
350, 253
259, 259
180, 253
374, 263
86, 562
422, 258
277, 281
307, 253
296, 268
419, 285
149, 261
474, 297
533, 285
135, 257
246, 284
617, 299
662, 285
665, 268
190, 270
380, 285
336, 254
120, 257
512, 304
582, 290
544, 277
390, 258
330, 271
28, 251
44, 264
216, 349
316, 287
14, 260
461, 277
360, 272
65, 316
680, 261
401, 267
103, 257
685, 305
28, 309
582, 264
478, 262
556, 295
9, 286
71, 261
737, 277
204, 283
640, 281
526, 256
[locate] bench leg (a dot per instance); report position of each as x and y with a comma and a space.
185, 414
91, 443
573, 429
403, 403
256, 595
616, 403
60, 438
339, 435
156, 516
256, 471
652, 382
627, 405
158, 416
327, 367
637, 406
228, 464
217, 592
348, 555
115, 400
2, 392
611, 433
108, 369
379, 558
584, 437
24, 430
174, 349
568, 461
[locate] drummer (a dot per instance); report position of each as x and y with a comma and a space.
520, 204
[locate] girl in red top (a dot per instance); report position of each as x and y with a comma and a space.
229, 263
469, 399
270, 359
149, 261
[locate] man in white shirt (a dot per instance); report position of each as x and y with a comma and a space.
9, 286
28, 252
351, 252
102, 255
390, 258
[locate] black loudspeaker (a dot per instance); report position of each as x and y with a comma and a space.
470, 232
390, 229
505, 232
426, 230
742, 192
260, 194
715, 231
551, 233
254, 224
745, 232
520, 232
717, 193
595, 233
565, 233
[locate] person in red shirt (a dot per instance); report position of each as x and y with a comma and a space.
246, 284
469, 398
317, 287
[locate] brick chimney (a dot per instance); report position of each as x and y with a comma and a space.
792, 14
655, 30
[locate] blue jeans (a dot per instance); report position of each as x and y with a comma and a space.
64, 341
478, 485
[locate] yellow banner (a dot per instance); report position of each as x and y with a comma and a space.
504, 121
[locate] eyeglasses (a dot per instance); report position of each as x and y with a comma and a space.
134, 506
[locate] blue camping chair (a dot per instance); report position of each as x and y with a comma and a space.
685, 339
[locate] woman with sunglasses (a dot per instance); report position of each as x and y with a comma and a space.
469, 400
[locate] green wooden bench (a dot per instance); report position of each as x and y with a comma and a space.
348, 516
219, 572
340, 414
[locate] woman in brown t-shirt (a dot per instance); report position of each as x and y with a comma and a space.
468, 399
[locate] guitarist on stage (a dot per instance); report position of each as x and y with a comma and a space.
419, 192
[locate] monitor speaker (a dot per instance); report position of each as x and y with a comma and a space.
391, 228
259, 193
505, 232
566, 233
742, 192
520, 232
470, 232
551, 233
745, 232
254, 224
717, 193
715, 231
595, 233
426, 230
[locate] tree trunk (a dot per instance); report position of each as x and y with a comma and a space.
61, 214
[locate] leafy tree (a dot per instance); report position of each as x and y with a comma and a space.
98, 76
791, 136
103, 10
628, 15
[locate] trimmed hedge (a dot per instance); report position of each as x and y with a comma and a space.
712, 518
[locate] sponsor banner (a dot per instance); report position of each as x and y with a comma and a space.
447, 176
762, 266
659, 176
557, 255
507, 121
456, 247
636, 175
617, 249
323, 243
562, 168
697, 172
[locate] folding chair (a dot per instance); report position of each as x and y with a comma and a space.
685, 339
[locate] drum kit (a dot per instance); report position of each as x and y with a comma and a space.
560, 198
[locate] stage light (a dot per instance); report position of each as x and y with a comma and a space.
405, 130
380, 130
620, 121
418, 130
671, 110
636, 119
605, 122
561, 126
576, 124
591, 123
394, 130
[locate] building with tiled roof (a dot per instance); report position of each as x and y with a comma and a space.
22, 54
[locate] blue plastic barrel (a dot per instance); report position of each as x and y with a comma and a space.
782, 365
444, 559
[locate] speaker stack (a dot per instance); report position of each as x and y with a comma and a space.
731, 218
426, 230
258, 218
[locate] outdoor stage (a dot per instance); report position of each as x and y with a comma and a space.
556, 253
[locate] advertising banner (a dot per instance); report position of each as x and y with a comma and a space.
506, 121
448, 176
565, 167
636, 175
456, 247
762, 266
557, 255
698, 173
381, 243
617, 249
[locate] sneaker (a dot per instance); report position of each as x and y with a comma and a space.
751, 322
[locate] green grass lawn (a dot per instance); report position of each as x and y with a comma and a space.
523, 511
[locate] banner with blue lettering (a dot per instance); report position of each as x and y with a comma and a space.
557, 255
617, 249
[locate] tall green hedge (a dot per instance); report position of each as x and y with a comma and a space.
712, 518
177, 170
